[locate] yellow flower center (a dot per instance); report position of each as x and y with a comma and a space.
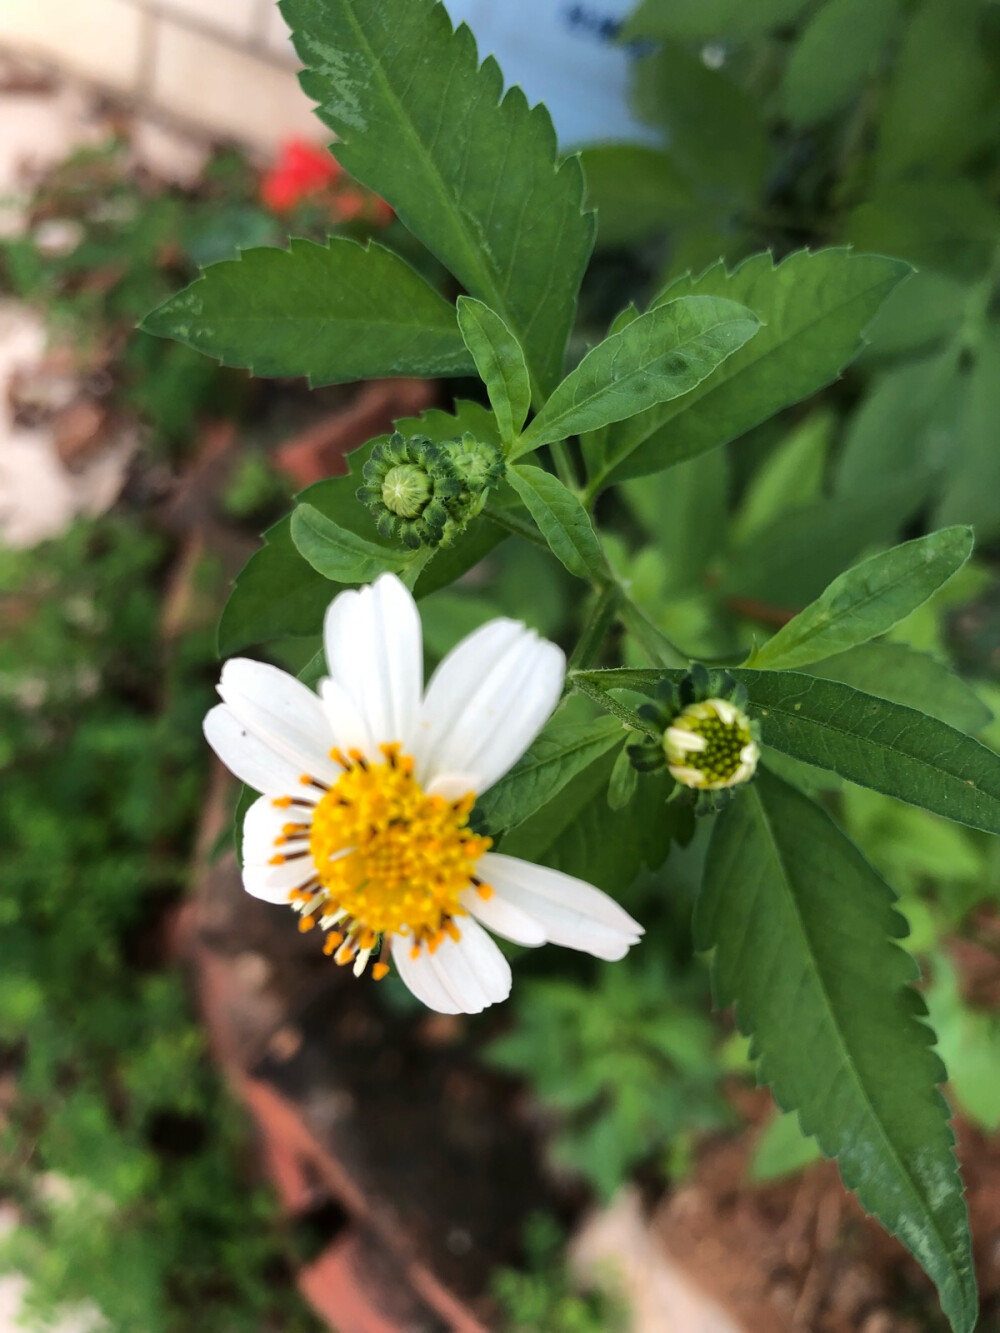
389, 858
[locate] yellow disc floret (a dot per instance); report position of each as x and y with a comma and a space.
389, 858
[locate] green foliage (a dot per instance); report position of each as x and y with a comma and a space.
338, 553
813, 309
334, 313
882, 745
278, 593
626, 1064
781, 148
894, 671
781, 1150
500, 363
656, 357
542, 1297
867, 600
563, 750
561, 518
132, 1197
798, 922
825, 72
423, 124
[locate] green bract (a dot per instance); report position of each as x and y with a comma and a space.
423, 492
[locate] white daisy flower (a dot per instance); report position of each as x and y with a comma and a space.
366, 790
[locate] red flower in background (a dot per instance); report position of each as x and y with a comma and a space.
306, 173
301, 170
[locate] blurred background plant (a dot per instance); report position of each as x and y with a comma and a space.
785, 124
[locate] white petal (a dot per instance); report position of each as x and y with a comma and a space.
487, 702
725, 711
572, 912
452, 786
472, 969
419, 975
283, 712
274, 883
263, 823
374, 651
504, 919
346, 723
686, 740
249, 758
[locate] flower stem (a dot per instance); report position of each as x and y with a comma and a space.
517, 526
649, 636
565, 470
602, 617
417, 565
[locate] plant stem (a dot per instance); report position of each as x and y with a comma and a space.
527, 531
565, 470
417, 565
650, 637
602, 617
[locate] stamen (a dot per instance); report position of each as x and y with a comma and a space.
307, 923
380, 970
390, 859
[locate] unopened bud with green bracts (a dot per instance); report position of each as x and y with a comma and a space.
423, 492
705, 739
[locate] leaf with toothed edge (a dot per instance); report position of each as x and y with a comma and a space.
799, 924
869, 740
334, 313
814, 308
470, 170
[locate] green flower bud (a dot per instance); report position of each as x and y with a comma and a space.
423, 492
706, 740
406, 490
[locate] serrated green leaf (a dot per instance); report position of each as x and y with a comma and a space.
799, 923
561, 751
334, 313
561, 518
656, 357
827, 67
878, 744
871, 741
867, 600
423, 124
277, 593
814, 309
500, 363
898, 672
338, 553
